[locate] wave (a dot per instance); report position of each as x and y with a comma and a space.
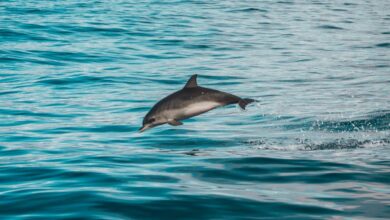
17, 112
309, 145
386, 45
374, 121
332, 27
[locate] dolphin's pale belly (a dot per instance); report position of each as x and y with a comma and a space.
192, 110
200, 107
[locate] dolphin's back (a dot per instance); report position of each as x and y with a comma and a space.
188, 96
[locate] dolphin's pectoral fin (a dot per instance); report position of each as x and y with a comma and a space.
174, 122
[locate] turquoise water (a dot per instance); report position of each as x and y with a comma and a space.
76, 80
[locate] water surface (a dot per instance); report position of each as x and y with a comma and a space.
77, 78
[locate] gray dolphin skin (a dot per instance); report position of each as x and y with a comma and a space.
190, 101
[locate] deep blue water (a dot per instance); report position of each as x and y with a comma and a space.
77, 78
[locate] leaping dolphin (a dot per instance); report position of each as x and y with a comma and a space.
190, 101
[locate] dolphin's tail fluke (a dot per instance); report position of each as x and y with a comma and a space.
243, 102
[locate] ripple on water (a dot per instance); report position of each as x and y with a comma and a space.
77, 78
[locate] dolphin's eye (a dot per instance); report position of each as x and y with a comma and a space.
151, 120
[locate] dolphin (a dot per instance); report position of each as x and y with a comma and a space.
190, 101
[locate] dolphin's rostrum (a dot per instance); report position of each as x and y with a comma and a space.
190, 101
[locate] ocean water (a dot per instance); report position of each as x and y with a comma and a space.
77, 77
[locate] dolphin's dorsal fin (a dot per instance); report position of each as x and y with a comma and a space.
191, 83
